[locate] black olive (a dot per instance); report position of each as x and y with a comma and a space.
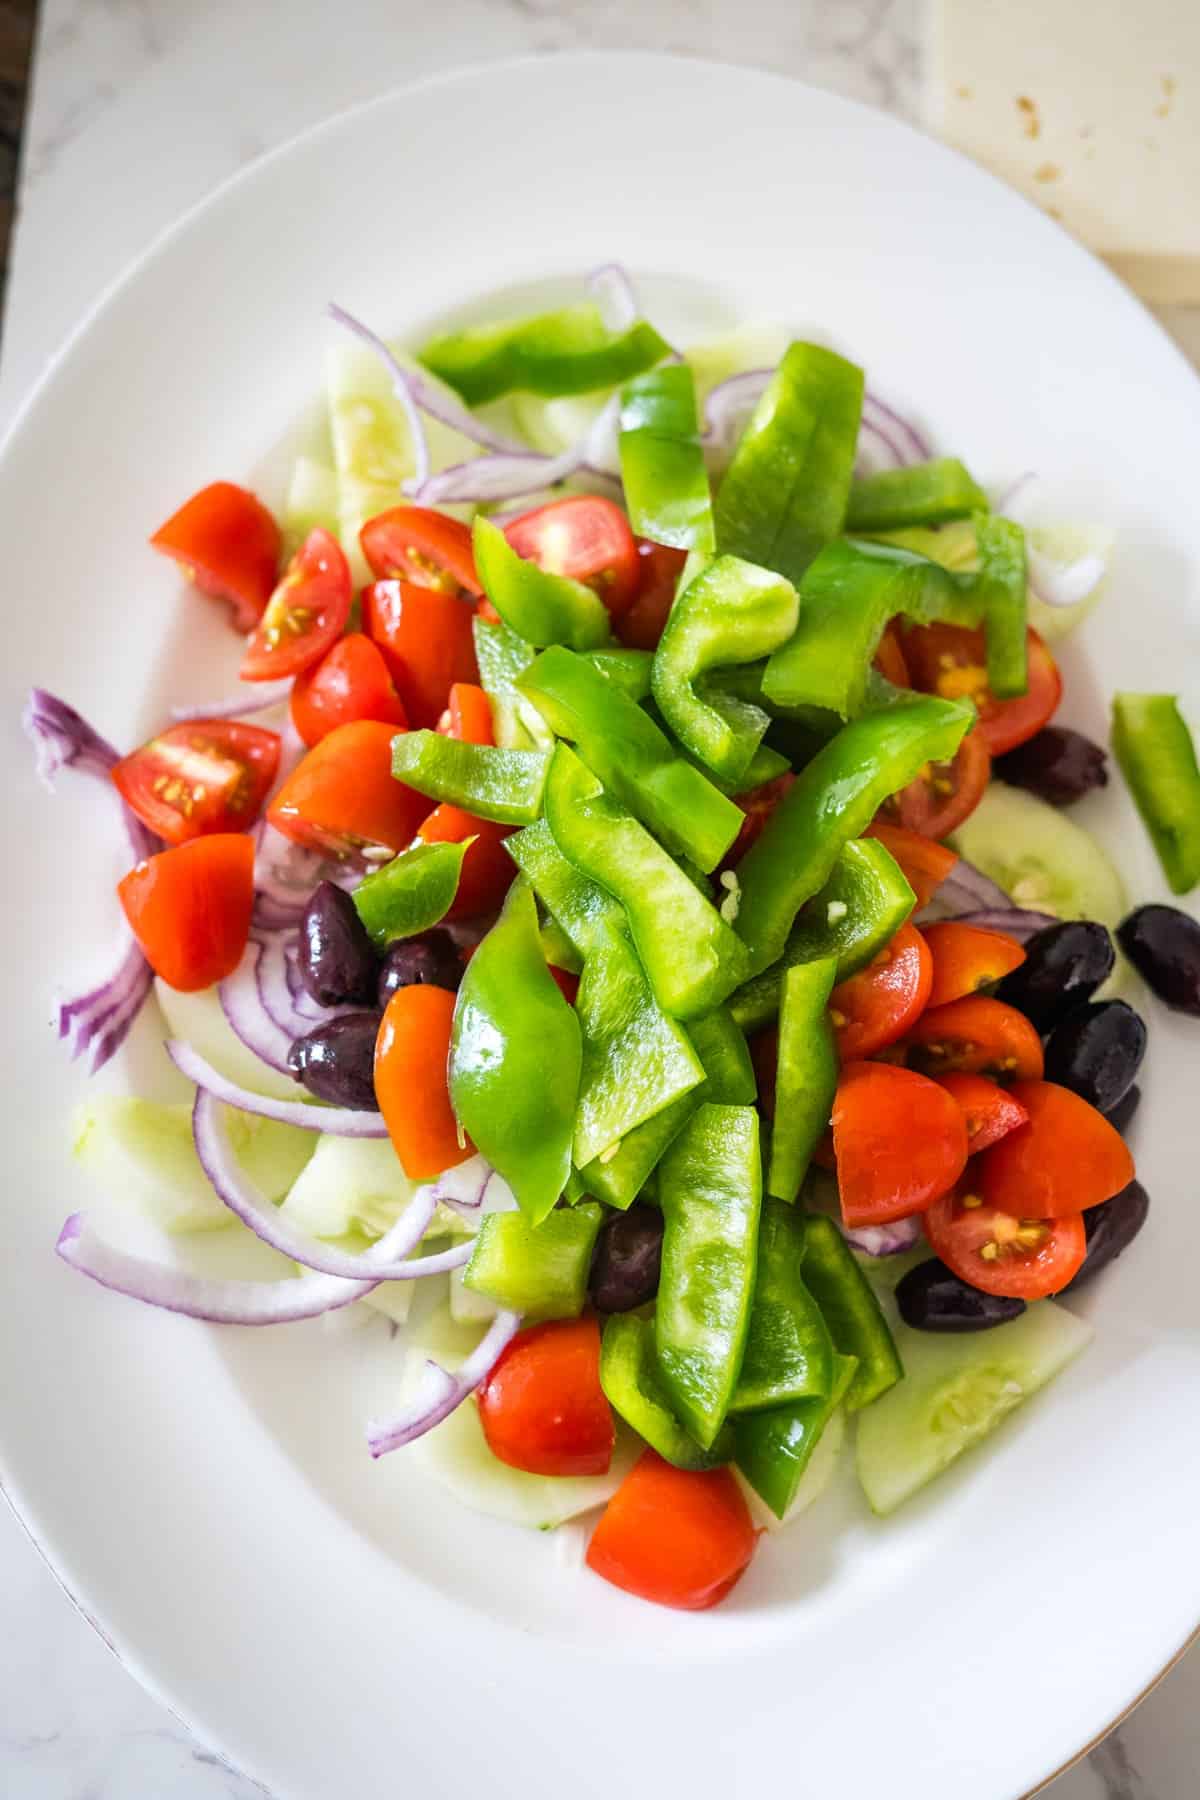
932, 1298
1063, 965
336, 1062
1121, 1114
1096, 1051
1163, 944
1110, 1227
337, 961
430, 960
626, 1260
1059, 765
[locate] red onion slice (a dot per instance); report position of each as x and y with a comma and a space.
612, 290
464, 1188
884, 1240
729, 405
1018, 922
968, 889
288, 1005
442, 1392
489, 480
911, 443
1063, 584
257, 698
241, 1002
338, 1121
100, 1020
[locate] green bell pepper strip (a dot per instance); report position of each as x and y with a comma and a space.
929, 493
504, 785
785, 492
540, 607
851, 1311
628, 670
634, 1388
710, 1191
732, 612
557, 947
1004, 594
832, 800
410, 893
721, 1046
693, 960
570, 351
502, 656
538, 1270
1157, 757
789, 1353
667, 495
515, 1057
860, 909
636, 762
582, 909
773, 1449
805, 1076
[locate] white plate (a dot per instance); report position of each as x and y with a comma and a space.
330, 1625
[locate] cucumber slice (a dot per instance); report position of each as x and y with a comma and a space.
312, 500
955, 1391
754, 346
197, 1020
141, 1153
1041, 857
815, 1479
555, 425
466, 1307
357, 1184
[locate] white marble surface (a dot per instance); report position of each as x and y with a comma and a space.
139, 108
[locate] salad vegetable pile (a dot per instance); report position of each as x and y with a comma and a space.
653, 939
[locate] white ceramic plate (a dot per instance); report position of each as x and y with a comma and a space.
332, 1626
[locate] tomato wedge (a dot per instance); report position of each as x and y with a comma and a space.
951, 660
468, 715
208, 775
342, 797
225, 541
967, 958
1066, 1158
758, 805
585, 537
977, 1036
305, 615
991, 1112
411, 1081
659, 567
427, 643
680, 1537
420, 545
881, 1002
944, 793
566, 983
542, 1407
350, 682
189, 908
1004, 1253
899, 1141
487, 869
889, 658
924, 864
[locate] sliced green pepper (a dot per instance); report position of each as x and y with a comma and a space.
929, 493
502, 656
806, 1074
633, 1384
789, 1353
515, 1058
692, 958
856, 1324
584, 911
732, 612
662, 461
773, 1449
721, 1046
834, 799
540, 607
634, 759
504, 785
628, 670
538, 1270
557, 947
1003, 591
410, 893
1154, 748
571, 351
785, 492
710, 1191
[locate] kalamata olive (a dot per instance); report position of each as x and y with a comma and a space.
1059, 765
336, 1062
1097, 1050
1122, 1113
429, 960
337, 961
1110, 1228
626, 1260
1163, 944
932, 1298
1063, 965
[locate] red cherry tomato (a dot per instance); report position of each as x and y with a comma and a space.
951, 660
924, 864
659, 566
967, 958
877, 1006
944, 793
899, 1141
468, 715
419, 545
758, 805
189, 908
542, 1407
411, 1084
350, 682
487, 869
208, 775
889, 658
1004, 1253
991, 1112
978, 1036
305, 615
426, 639
585, 537
1066, 1158
226, 541
342, 796
566, 983
679, 1537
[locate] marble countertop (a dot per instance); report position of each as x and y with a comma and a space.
139, 108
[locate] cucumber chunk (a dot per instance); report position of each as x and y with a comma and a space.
1041, 857
357, 1184
197, 1019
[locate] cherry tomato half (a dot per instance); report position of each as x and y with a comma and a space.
418, 544
1066, 1158
924, 864
944, 793
967, 958
889, 658
427, 643
226, 541
586, 537
680, 1537
877, 1006
342, 796
189, 908
758, 805
899, 1141
468, 715
977, 1036
542, 1407
305, 615
991, 1111
1003, 1253
659, 567
208, 775
411, 1082
951, 660
487, 870
350, 682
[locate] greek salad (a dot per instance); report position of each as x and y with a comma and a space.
626, 927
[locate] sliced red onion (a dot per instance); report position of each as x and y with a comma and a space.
100, 1020
616, 302
258, 697
197, 1296
968, 889
241, 1002
441, 1392
1063, 584
401, 386
885, 439
286, 1002
876, 451
1018, 922
464, 1188
337, 1121
490, 480
729, 405
286, 873
911, 443
884, 1240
